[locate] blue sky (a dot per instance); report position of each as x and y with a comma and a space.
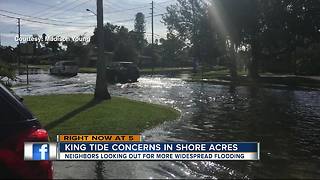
71, 17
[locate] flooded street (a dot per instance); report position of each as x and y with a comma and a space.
285, 122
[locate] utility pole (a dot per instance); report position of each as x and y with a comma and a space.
152, 36
101, 90
19, 48
152, 7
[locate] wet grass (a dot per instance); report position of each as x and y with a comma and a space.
165, 70
78, 114
214, 74
223, 77
36, 66
87, 70
143, 71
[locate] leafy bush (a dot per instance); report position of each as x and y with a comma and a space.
7, 73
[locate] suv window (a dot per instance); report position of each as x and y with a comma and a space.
11, 109
7, 112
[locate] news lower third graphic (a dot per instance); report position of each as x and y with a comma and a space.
39, 151
131, 147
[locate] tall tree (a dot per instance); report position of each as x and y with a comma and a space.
125, 52
139, 31
125, 49
7, 58
238, 23
54, 45
272, 27
110, 36
8, 54
267, 29
291, 25
191, 22
172, 50
78, 49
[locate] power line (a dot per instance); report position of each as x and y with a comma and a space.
77, 17
157, 8
64, 11
7, 20
40, 4
132, 19
125, 8
72, 31
160, 8
164, 2
160, 5
115, 5
39, 22
37, 17
159, 23
54, 7
130, 9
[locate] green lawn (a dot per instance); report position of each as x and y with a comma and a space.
38, 66
223, 77
44, 67
214, 74
165, 69
145, 71
77, 114
87, 70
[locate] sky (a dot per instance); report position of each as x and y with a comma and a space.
69, 18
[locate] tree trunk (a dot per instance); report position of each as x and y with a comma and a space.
233, 68
253, 67
233, 63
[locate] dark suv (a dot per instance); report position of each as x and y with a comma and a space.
18, 125
122, 72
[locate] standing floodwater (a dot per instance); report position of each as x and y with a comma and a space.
286, 122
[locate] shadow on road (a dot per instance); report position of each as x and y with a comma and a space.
71, 114
99, 170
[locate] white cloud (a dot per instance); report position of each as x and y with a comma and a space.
80, 16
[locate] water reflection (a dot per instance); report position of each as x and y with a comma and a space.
285, 127
286, 122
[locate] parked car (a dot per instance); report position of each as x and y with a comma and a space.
122, 72
64, 68
18, 125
